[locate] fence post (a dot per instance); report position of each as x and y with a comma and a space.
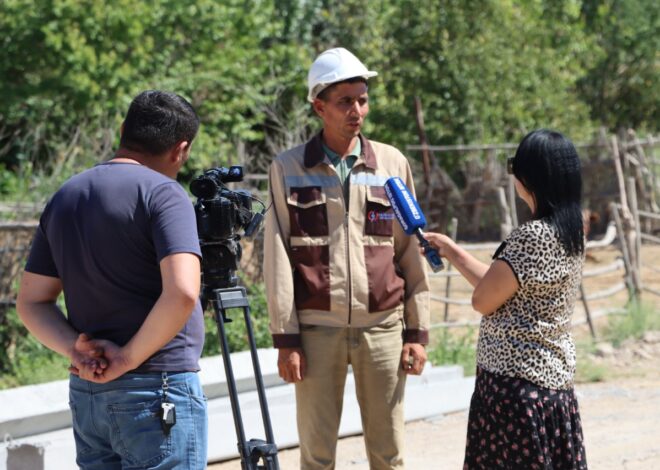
619, 177
453, 230
511, 193
426, 157
587, 312
505, 214
635, 235
629, 279
645, 169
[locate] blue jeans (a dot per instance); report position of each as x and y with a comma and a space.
117, 425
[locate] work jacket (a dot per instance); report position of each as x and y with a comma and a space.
334, 255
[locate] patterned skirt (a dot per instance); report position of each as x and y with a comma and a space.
515, 424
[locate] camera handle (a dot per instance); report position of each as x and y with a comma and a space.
253, 450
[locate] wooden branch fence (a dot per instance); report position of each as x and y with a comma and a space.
631, 226
634, 217
607, 240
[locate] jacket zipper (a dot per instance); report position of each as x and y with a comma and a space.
348, 270
347, 198
345, 194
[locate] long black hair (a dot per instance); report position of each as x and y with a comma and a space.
548, 165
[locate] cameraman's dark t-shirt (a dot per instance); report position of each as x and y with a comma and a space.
103, 234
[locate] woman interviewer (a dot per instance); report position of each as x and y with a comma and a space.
524, 413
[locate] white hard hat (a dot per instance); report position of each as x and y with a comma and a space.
332, 66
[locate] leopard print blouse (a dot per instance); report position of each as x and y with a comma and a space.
529, 335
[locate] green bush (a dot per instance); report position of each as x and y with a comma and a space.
455, 348
588, 370
25, 361
639, 317
236, 330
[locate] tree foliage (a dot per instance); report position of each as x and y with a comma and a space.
485, 70
623, 85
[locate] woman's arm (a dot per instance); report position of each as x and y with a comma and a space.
493, 285
496, 287
470, 267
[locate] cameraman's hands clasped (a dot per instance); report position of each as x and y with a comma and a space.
97, 360
86, 354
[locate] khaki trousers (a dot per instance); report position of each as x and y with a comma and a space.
374, 354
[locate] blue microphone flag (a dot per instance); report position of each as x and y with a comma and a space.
411, 218
405, 208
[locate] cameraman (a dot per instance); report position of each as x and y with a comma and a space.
120, 240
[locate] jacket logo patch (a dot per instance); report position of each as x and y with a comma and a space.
374, 216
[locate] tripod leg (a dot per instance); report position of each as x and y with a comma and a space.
231, 387
271, 460
253, 450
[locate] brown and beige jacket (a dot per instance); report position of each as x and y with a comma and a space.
335, 255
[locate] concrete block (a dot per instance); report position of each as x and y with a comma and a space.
37, 419
439, 390
34, 409
25, 457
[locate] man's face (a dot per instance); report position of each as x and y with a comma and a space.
344, 110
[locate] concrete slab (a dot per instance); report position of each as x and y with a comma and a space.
35, 421
439, 390
42, 408
34, 409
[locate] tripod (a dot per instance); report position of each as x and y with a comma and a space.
253, 450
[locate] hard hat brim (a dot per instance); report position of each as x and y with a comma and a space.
319, 87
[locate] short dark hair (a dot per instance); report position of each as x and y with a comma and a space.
548, 165
158, 120
323, 94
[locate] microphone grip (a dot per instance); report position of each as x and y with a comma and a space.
431, 254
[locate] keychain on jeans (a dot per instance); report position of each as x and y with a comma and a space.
167, 410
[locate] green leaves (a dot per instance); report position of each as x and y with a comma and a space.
71, 62
485, 70
623, 85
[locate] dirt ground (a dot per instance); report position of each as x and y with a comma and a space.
620, 418
620, 415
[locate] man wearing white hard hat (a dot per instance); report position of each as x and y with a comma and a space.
345, 285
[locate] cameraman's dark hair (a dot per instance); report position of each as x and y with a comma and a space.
548, 165
323, 94
156, 121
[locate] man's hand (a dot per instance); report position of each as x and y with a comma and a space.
413, 358
87, 353
291, 364
117, 363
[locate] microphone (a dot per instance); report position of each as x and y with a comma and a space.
411, 218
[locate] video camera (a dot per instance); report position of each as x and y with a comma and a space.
222, 215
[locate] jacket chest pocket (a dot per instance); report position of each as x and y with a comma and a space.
308, 212
379, 215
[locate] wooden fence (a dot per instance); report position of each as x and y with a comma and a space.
481, 195
592, 246
631, 225
633, 218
